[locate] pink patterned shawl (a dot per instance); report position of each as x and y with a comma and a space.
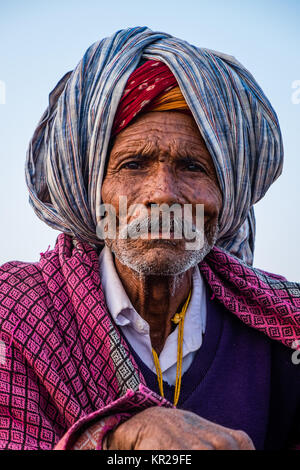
65, 360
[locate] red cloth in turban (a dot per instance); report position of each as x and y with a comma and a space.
145, 85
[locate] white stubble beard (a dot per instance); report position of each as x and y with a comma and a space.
128, 252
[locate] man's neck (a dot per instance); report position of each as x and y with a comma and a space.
156, 299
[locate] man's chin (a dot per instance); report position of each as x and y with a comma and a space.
161, 258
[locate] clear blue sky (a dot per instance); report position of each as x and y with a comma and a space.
40, 40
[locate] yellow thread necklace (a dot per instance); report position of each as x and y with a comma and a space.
177, 319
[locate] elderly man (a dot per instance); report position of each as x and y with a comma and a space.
150, 341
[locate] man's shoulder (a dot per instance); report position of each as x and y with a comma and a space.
12, 271
21, 286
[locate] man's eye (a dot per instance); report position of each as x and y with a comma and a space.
194, 167
131, 165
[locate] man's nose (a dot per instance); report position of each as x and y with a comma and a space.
162, 188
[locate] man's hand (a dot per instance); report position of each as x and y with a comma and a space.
160, 428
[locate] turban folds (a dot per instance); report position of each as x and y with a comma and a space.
67, 154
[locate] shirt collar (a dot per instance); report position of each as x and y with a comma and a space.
117, 300
124, 313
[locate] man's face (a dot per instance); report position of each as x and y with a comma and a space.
162, 159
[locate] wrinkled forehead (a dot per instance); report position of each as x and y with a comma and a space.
161, 131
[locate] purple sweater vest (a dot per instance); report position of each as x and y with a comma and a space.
240, 379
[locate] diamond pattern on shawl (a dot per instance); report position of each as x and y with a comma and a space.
64, 357
261, 300
61, 346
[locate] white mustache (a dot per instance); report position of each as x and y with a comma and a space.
146, 225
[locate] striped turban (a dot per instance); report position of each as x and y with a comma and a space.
66, 157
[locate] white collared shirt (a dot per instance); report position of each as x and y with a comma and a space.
136, 329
